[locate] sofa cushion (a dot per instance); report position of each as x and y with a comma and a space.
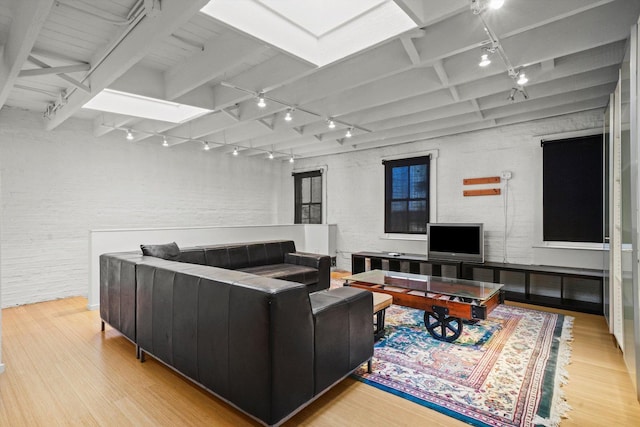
169, 251
238, 257
293, 273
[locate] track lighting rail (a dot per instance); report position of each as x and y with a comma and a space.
291, 108
207, 144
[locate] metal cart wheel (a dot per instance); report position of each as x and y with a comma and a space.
443, 327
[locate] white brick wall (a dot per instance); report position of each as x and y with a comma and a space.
355, 191
58, 185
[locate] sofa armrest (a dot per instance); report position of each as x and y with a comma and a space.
321, 262
307, 259
343, 333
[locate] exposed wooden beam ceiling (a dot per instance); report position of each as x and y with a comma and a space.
425, 83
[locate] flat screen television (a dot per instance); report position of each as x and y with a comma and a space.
455, 242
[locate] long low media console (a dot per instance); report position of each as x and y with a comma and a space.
557, 287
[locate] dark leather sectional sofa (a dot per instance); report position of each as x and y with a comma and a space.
265, 345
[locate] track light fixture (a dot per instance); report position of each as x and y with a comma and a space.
206, 146
515, 91
235, 151
291, 160
522, 79
493, 46
270, 155
348, 134
287, 116
261, 102
165, 143
129, 135
484, 60
331, 124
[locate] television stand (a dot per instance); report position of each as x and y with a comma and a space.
406, 263
550, 286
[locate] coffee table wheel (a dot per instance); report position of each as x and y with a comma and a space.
442, 327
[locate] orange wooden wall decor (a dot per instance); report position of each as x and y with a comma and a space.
485, 192
486, 180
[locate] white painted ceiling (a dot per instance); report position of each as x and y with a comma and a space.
422, 84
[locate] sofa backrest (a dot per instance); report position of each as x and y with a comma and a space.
247, 338
238, 255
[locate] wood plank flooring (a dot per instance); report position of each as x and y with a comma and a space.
61, 370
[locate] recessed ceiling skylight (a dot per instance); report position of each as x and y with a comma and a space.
129, 104
318, 31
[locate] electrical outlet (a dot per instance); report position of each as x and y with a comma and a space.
506, 175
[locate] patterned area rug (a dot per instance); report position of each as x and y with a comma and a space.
503, 371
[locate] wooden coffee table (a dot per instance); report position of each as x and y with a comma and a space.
446, 302
381, 301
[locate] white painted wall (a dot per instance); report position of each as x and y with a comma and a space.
56, 186
355, 192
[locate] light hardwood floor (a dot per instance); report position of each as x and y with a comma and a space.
61, 370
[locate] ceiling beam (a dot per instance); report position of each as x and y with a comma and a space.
578, 107
64, 77
28, 19
33, 72
410, 48
220, 54
44, 53
133, 47
548, 65
476, 107
454, 93
441, 72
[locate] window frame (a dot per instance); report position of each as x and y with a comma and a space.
389, 164
297, 192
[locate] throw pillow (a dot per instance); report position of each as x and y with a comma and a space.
169, 251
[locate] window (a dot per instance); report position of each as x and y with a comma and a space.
573, 189
406, 195
308, 197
